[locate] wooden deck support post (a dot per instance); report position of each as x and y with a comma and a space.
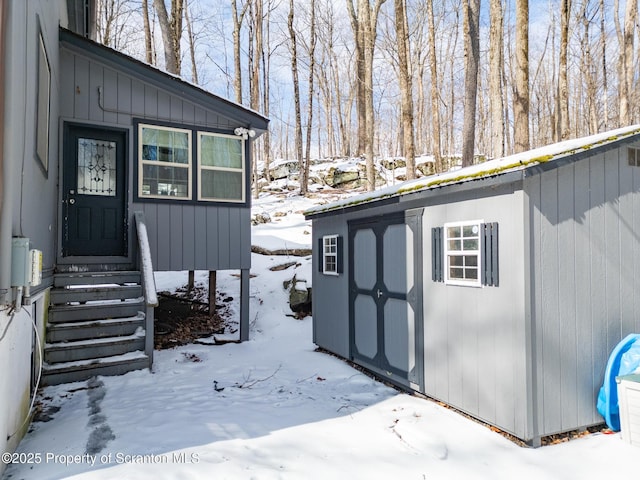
244, 305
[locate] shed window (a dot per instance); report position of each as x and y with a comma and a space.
220, 167
165, 162
462, 253
465, 253
634, 156
331, 254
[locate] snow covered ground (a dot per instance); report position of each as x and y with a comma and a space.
273, 408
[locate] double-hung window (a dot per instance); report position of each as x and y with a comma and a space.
220, 167
462, 253
330, 254
465, 253
164, 162
187, 164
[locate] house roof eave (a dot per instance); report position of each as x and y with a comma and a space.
121, 62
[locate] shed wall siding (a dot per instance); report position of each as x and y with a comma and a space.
331, 311
586, 267
475, 338
182, 236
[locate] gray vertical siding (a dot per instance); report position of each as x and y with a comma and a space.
182, 236
586, 266
475, 355
331, 292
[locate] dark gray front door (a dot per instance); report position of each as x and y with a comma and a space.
94, 195
385, 301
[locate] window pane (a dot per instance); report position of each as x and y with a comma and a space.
470, 231
471, 273
221, 185
217, 151
330, 245
456, 261
453, 232
329, 263
454, 245
96, 167
470, 245
165, 145
161, 180
456, 273
470, 260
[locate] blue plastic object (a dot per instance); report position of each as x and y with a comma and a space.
608, 396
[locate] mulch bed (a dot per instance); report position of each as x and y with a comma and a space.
183, 317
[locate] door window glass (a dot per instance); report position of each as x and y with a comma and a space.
96, 167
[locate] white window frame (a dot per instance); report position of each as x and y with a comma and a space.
202, 167
329, 241
450, 253
142, 162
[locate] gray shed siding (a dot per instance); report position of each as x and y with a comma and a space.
331, 311
474, 337
585, 260
181, 236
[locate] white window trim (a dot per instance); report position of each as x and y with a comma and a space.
325, 255
142, 162
448, 253
222, 169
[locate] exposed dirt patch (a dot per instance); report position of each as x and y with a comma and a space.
183, 317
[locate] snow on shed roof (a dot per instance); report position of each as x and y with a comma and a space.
499, 166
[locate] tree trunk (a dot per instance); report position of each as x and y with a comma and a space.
521, 90
254, 88
626, 38
192, 45
359, 52
148, 45
605, 86
406, 91
237, 25
496, 62
304, 174
563, 82
171, 33
435, 92
296, 95
472, 60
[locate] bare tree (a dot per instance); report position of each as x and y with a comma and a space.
238, 18
406, 90
148, 42
521, 87
364, 25
192, 43
563, 82
626, 37
171, 28
296, 93
496, 62
472, 60
304, 173
435, 93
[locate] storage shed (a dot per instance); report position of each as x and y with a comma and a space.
498, 289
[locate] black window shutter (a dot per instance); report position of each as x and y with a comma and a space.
340, 254
320, 254
437, 254
490, 254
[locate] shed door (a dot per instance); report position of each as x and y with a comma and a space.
94, 192
385, 301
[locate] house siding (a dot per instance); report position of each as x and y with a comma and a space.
474, 337
29, 202
181, 236
586, 267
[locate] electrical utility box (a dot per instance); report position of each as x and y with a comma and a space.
26, 264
